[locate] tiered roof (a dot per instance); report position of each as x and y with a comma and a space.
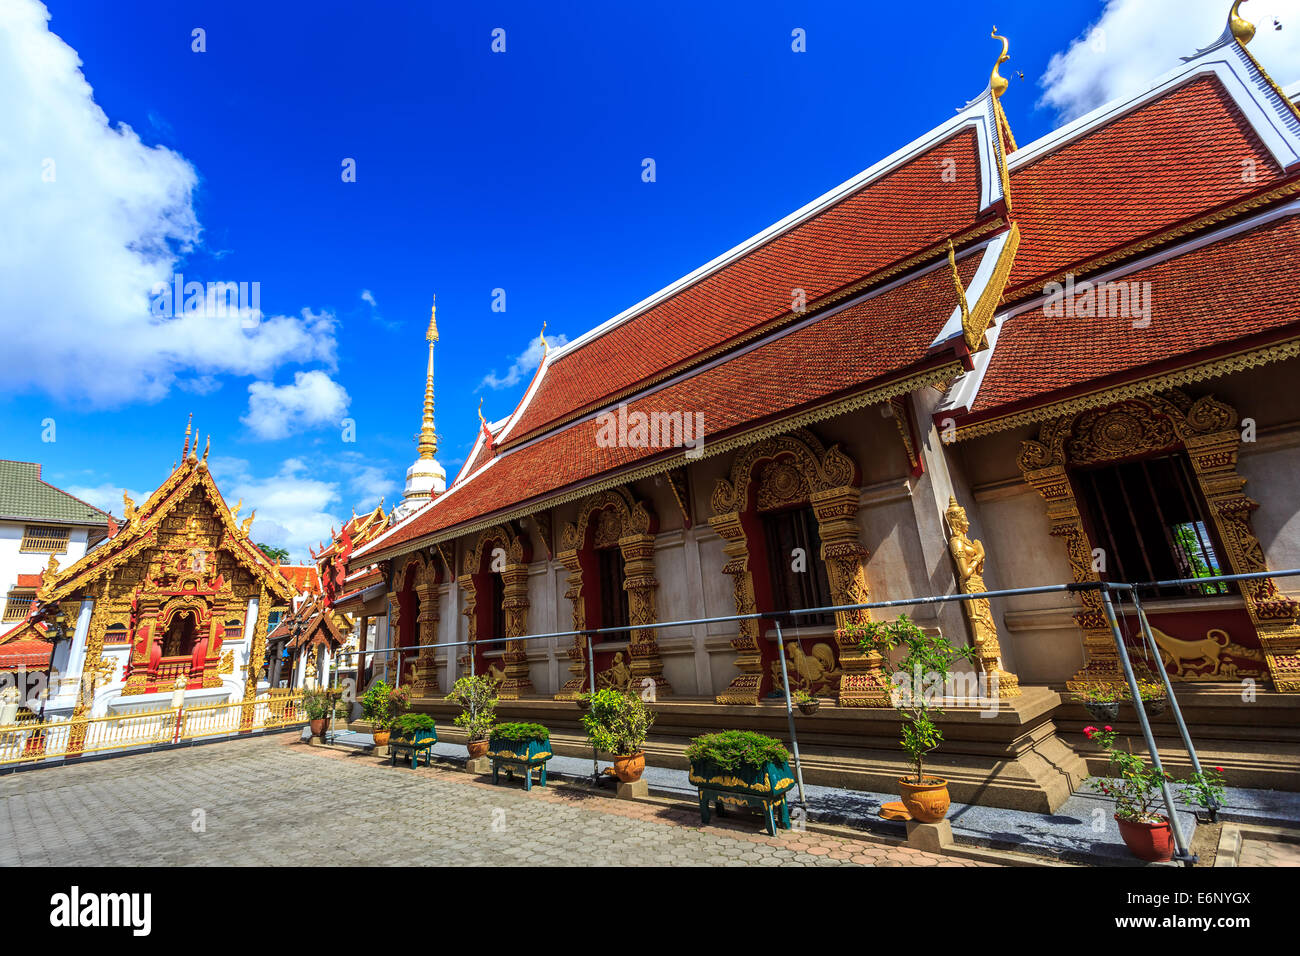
1140, 185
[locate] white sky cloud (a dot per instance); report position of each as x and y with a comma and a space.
1135, 41
313, 400
92, 221
107, 496
525, 363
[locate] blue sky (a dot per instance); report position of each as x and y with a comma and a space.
475, 171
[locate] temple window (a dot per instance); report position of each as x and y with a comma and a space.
46, 539
798, 581
612, 570
1149, 520
498, 608
181, 635
17, 603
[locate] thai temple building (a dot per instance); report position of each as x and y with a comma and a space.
977, 364
177, 600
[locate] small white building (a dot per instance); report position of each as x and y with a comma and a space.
37, 522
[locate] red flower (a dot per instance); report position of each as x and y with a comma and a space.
1109, 728
1218, 769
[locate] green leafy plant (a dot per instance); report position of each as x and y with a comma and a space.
1135, 787
802, 697
517, 733
377, 705
1151, 690
928, 660
617, 723
733, 750
316, 704
1098, 694
477, 695
411, 726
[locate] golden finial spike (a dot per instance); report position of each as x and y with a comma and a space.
428, 441
996, 81
185, 452
481, 419
207, 447
956, 281
546, 349
1241, 28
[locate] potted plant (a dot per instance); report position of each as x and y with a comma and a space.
745, 767
806, 702
316, 704
377, 708
583, 701
617, 724
929, 657
413, 729
520, 745
1153, 697
477, 695
1137, 790
1100, 700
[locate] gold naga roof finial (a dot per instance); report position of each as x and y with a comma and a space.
248, 523
128, 507
1241, 28
428, 441
997, 82
207, 447
956, 281
234, 512
546, 349
481, 419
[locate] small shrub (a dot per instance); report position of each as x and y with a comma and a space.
519, 732
410, 726
733, 750
316, 704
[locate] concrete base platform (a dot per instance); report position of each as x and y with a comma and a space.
636, 790
1005, 755
933, 837
478, 765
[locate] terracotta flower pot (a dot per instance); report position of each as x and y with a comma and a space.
477, 748
927, 802
381, 737
1153, 842
629, 768
318, 727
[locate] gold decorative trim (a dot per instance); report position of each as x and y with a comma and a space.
1191, 374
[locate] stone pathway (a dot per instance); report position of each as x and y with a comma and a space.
1261, 852
274, 801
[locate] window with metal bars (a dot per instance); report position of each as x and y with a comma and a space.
1151, 523
44, 538
797, 581
17, 604
612, 572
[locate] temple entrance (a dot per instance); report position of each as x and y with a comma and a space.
181, 635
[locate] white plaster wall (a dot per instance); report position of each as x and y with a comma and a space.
14, 562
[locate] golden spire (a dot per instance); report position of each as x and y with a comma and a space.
428, 443
207, 447
185, 452
996, 81
1241, 28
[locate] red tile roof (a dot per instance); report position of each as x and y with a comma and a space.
835, 355
1200, 301
29, 581
1167, 162
887, 221
34, 655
